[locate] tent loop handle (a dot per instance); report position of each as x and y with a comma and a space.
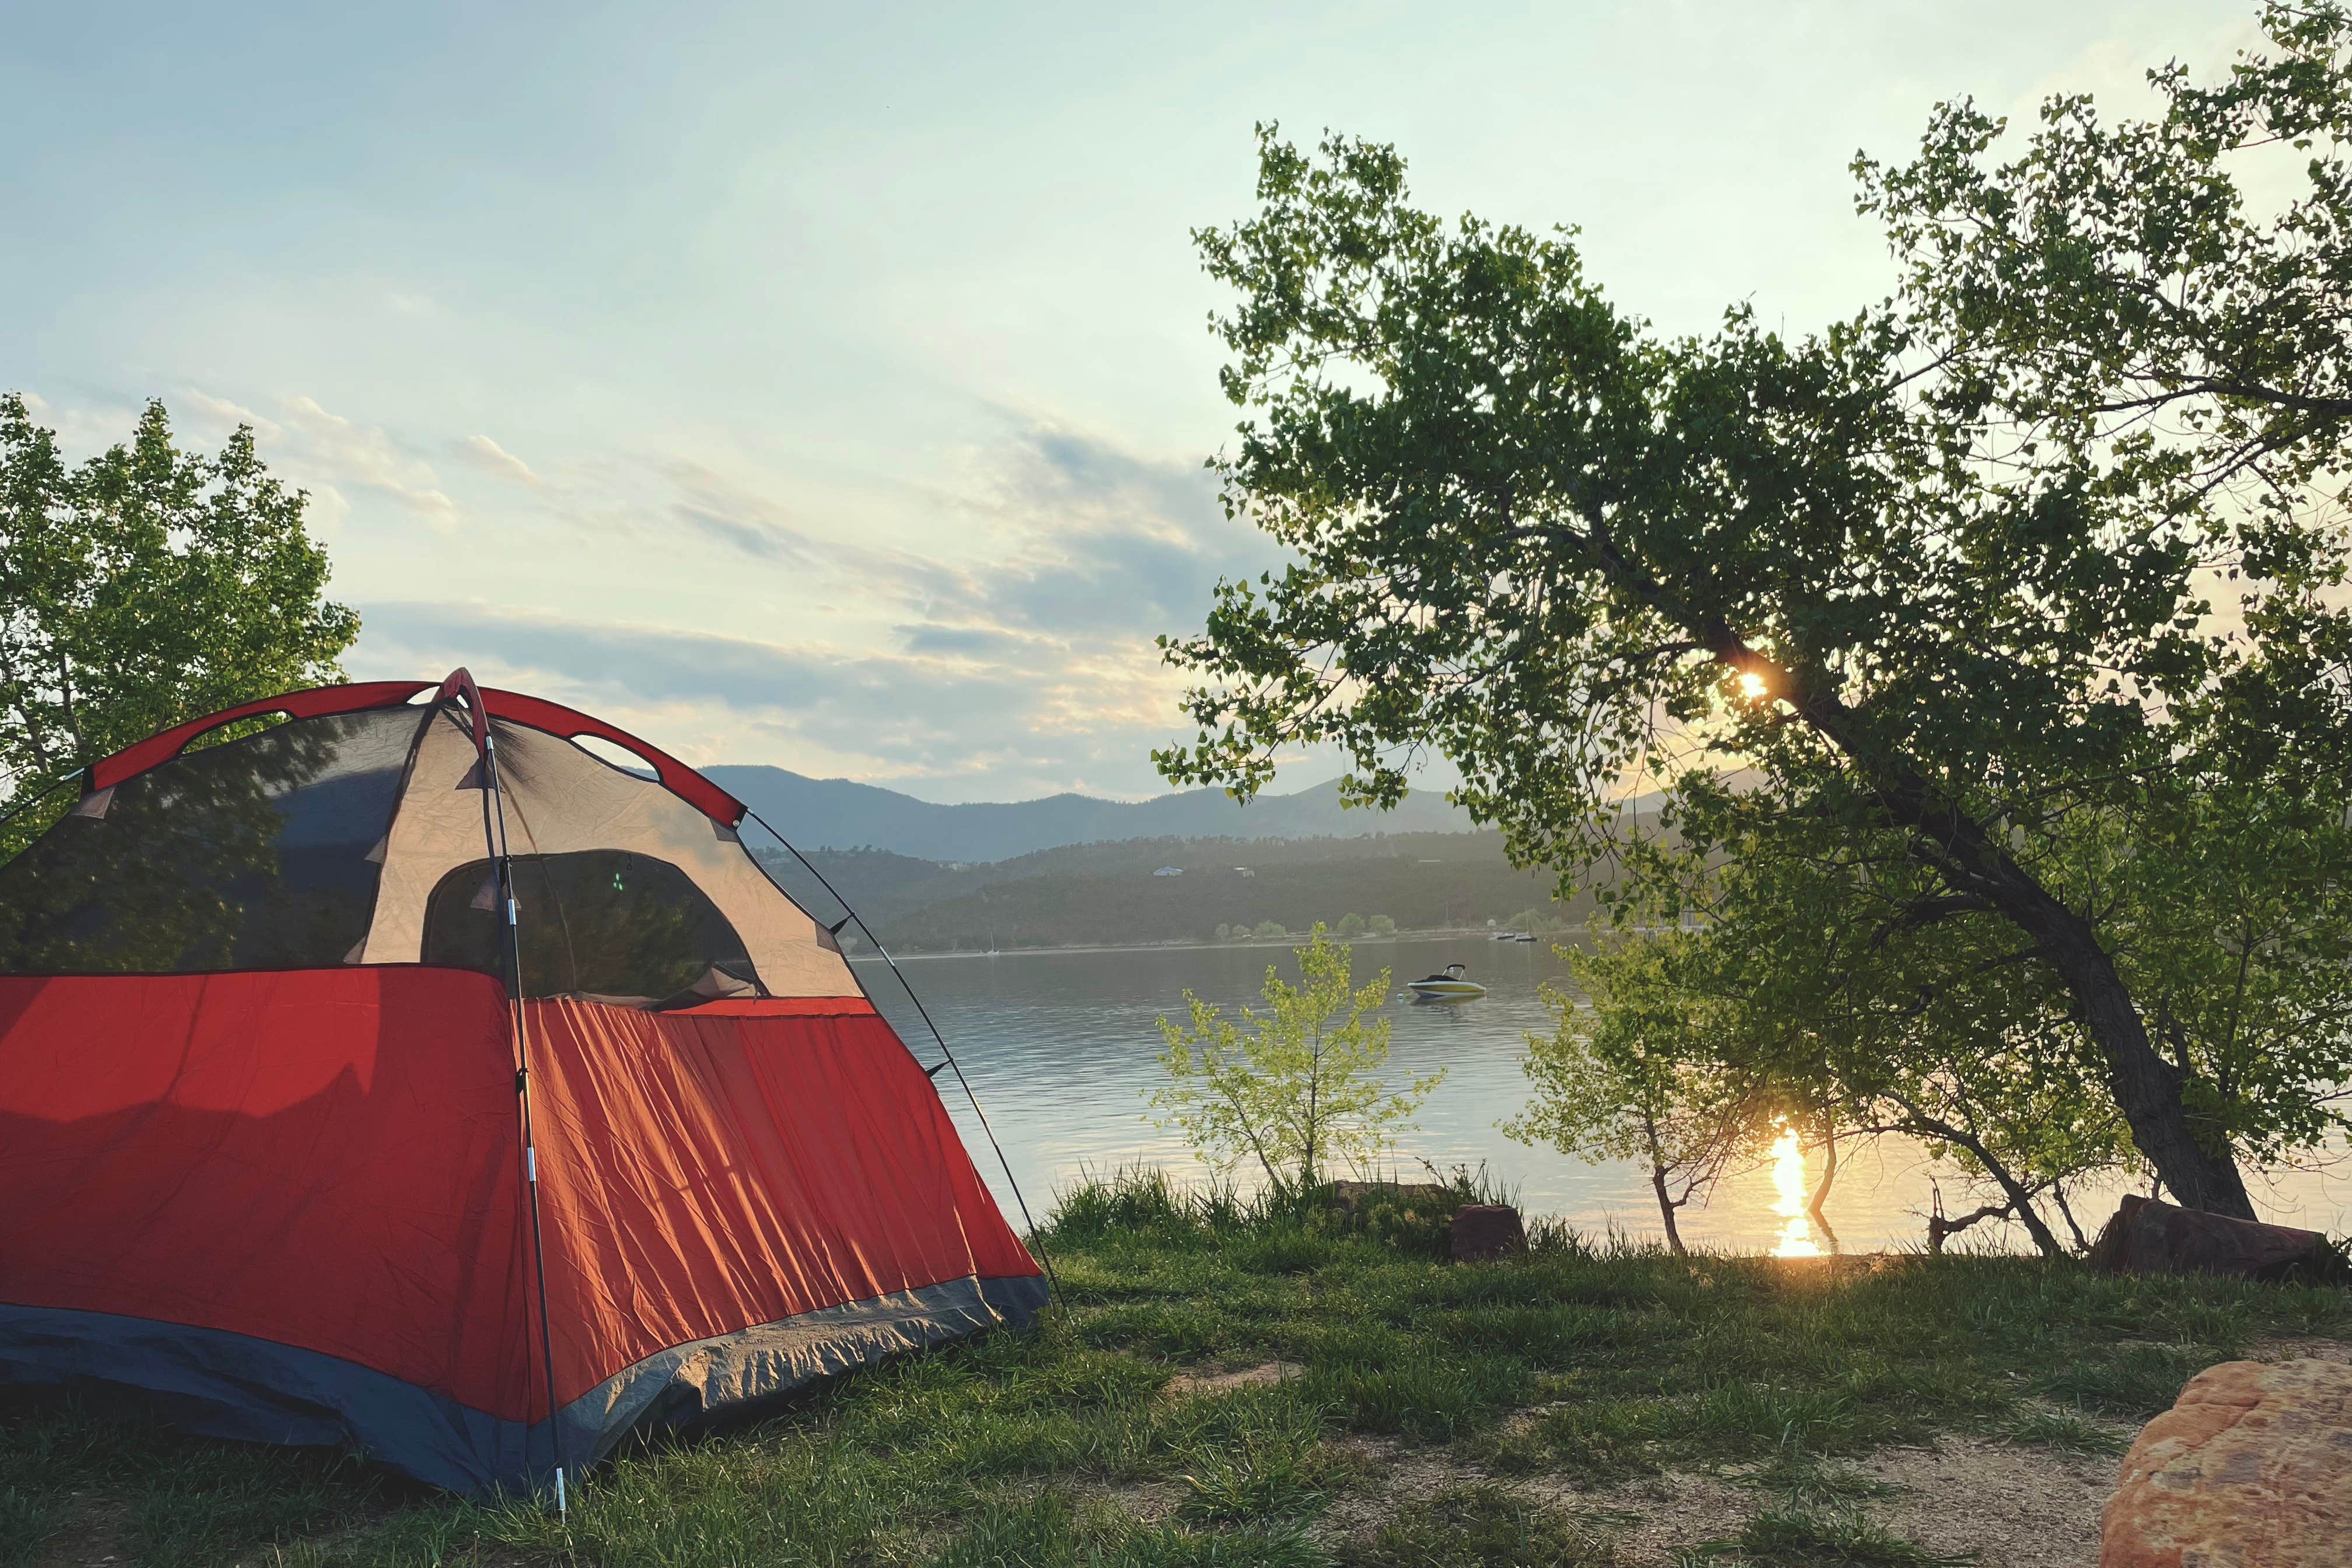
1051, 1282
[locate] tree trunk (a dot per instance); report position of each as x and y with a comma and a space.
2027, 1215
1940, 1230
2020, 1200
2146, 1087
1666, 1211
2058, 1194
1314, 1082
1829, 1175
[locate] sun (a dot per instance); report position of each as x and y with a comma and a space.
1751, 686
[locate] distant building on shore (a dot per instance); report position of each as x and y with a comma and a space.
1169, 871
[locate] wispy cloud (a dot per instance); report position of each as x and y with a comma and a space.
722, 513
496, 460
1029, 649
328, 453
1097, 540
975, 642
1017, 649
886, 715
735, 514
363, 456
747, 535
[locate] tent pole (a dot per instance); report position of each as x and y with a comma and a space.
486, 748
957, 1067
38, 795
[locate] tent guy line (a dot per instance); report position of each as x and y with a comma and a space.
947, 1053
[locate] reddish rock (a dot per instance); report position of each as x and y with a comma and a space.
2251, 1468
2149, 1238
1484, 1232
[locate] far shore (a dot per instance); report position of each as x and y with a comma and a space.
1294, 939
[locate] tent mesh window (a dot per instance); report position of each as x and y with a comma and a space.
610, 924
367, 839
262, 853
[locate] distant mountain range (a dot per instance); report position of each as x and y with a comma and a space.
837, 814
1148, 891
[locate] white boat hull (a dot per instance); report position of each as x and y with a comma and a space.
1447, 990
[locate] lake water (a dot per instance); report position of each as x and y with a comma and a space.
1061, 1048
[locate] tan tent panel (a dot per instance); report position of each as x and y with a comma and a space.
362, 832
560, 800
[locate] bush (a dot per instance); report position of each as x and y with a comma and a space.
1294, 1090
1134, 1198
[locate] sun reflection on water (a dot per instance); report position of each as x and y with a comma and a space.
1789, 1181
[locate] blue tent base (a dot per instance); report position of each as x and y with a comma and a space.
232, 1386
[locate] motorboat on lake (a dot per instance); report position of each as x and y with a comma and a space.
1448, 984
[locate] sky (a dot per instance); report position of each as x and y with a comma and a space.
830, 386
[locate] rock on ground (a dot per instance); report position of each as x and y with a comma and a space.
1483, 1232
2148, 1237
2251, 1468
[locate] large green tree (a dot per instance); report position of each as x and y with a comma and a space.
141, 588
1932, 579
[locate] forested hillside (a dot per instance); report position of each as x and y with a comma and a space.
1111, 894
840, 814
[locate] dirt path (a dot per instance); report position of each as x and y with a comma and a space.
92, 1536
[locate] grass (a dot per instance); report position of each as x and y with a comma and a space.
1792, 1538
1479, 1527
2063, 1431
1050, 1529
1580, 1363
1800, 1479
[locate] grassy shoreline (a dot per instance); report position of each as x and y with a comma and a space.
1236, 1385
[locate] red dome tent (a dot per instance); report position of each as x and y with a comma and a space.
282, 1139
